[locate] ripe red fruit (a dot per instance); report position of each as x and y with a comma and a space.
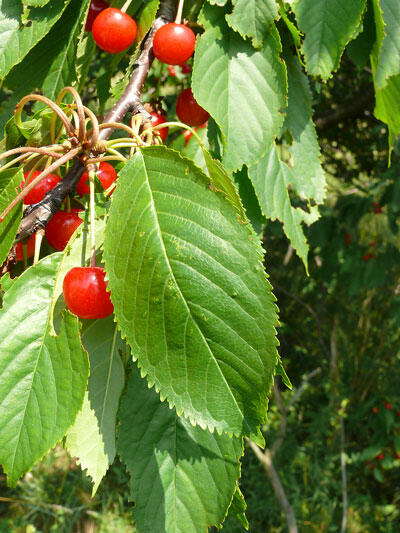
113, 30
95, 8
375, 410
174, 43
377, 208
38, 192
61, 227
85, 293
189, 111
396, 455
388, 405
347, 238
367, 257
398, 414
106, 175
380, 456
186, 69
19, 254
156, 120
172, 71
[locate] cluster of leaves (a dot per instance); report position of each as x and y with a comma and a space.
193, 306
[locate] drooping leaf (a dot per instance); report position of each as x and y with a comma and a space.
271, 179
51, 65
16, 41
389, 62
249, 199
387, 99
310, 178
92, 437
328, 26
238, 509
252, 18
183, 267
10, 181
42, 378
241, 87
145, 18
183, 477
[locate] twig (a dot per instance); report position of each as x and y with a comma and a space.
266, 460
266, 456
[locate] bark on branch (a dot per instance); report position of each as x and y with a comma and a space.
38, 215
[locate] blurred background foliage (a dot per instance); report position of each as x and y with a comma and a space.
341, 323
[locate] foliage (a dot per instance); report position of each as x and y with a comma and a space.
179, 376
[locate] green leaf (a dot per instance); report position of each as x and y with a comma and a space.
310, 178
10, 181
271, 179
42, 378
252, 18
35, 3
51, 65
146, 18
190, 294
387, 99
92, 438
183, 477
241, 87
389, 63
16, 41
328, 26
238, 509
249, 199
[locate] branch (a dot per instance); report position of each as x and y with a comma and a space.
266, 460
38, 215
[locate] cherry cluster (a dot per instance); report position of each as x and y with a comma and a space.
85, 288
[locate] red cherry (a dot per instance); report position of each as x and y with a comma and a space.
187, 135
113, 30
377, 208
396, 455
172, 71
61, 227
398, 414
189, 111
375, 410
85, 292
174, 43
367, 257
19, 254
380, 456
38, 192
156, 120
388, 405
347, 238
96, 7
106, 175
186, 69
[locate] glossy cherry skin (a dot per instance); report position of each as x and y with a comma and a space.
113, 30
186, 69
38, 192
85, 293
106, 175
174, 43
19, 254
189, 111
156, 120
95, 8
61, 227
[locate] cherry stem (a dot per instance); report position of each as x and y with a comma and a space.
179, 12
79, 109
31, 185
92, 174
38, 244
68, 204
31, 150
120, 126
63, 117
179, 125
126, 5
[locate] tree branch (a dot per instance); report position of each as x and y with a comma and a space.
38, 215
